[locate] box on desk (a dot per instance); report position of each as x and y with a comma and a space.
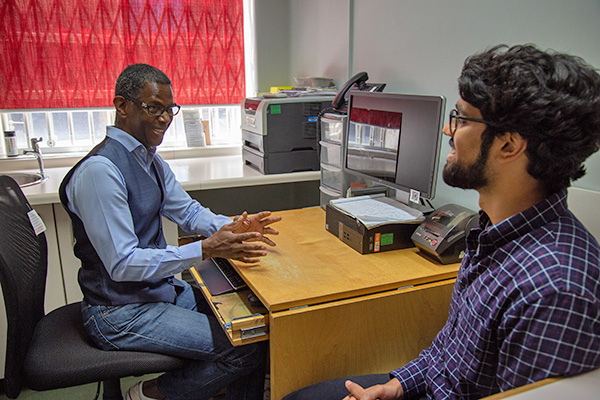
368, 240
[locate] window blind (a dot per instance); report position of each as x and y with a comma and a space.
69, 53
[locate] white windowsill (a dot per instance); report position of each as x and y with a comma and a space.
58, 160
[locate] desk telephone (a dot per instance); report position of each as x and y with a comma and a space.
442, 234
357, 82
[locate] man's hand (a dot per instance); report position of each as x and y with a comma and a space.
390, 391
238, 246
258, 223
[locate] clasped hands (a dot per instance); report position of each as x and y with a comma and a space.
243, 239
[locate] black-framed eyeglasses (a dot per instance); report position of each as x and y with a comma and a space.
454, 118
156, 110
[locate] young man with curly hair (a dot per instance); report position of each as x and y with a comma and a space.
526, 303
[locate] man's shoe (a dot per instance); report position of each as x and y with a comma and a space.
135, 392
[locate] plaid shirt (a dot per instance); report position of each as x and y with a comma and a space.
525, 306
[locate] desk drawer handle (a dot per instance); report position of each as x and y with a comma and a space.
253, 332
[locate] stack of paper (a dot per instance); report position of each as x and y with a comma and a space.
376, 210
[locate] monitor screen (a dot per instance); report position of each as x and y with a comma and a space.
394, 139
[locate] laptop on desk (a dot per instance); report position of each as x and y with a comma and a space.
219, 276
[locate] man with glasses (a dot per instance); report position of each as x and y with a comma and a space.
116, 197
526, 303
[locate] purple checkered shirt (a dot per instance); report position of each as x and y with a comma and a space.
525, 306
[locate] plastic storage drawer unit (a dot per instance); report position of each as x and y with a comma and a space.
332, 177
331, 153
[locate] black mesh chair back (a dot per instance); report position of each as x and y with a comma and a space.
51, 351
23, 266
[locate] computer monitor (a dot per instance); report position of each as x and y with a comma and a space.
394, 140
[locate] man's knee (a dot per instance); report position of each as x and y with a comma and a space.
249, 356
335, 389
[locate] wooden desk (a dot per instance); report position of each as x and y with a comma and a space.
333, 312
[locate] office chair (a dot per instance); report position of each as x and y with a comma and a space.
51, 351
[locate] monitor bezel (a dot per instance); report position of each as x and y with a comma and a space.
433, 165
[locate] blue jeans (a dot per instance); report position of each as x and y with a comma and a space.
186, 329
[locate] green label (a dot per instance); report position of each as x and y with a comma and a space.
387, 238
276, 109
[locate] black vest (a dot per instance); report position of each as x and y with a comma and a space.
146, 200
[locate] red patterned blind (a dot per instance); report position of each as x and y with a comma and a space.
69, 53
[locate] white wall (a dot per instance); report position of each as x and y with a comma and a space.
301, 38
328, 34
272, 43
419, 46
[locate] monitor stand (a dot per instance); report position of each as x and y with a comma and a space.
363, 191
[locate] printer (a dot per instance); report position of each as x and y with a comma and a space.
279, 135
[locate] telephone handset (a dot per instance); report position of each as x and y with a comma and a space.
341, 100
357, 82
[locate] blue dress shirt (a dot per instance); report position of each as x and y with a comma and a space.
98, 196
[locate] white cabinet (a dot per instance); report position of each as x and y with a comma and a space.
55, 290
69, 263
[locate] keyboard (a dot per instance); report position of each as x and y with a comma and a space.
229, 272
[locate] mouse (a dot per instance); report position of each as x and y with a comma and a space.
254, 301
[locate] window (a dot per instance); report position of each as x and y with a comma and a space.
61, 59
69, 130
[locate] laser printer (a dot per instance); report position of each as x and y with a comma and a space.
279, 135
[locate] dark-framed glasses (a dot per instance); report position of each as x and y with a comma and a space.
455, 117
157, 110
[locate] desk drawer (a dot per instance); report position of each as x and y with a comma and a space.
242, 322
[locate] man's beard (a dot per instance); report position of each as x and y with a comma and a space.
469, 177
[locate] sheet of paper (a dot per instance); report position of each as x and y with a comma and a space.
194, 134
376, 210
